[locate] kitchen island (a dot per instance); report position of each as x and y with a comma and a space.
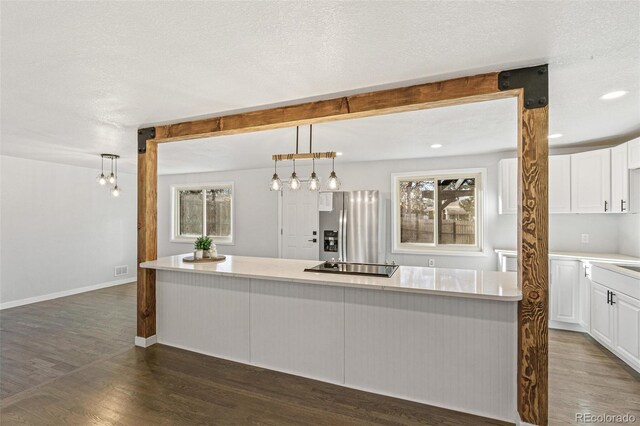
445, 337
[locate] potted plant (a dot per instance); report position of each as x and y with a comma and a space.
202, 245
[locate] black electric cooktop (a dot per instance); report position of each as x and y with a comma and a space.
369, 269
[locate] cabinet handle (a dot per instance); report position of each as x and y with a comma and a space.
612, 302
608, 297
585, 270
622, 203
605, 206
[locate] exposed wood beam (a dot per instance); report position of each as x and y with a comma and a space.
147, 238
533, 264
457, 91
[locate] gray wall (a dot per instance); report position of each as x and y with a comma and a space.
256, 219
60, 230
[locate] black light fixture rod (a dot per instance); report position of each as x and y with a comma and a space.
310, 138
297, 134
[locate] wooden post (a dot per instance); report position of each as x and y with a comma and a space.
533, 265
147, 234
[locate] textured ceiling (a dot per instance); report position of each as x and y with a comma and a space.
77, 78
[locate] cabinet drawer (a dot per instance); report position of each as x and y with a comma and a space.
616, 281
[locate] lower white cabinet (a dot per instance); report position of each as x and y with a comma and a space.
601, 315
585, 295
565, 291
615, 317
626, 323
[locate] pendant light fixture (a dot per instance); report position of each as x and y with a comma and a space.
294, 182
102, 179
112, 178
333, 183
313, 183
276, 183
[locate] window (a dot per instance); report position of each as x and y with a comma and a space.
203, 210
438, 212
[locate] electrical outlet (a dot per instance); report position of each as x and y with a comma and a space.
432, 263
584, 238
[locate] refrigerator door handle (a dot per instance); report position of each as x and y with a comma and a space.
340, 236
344, 236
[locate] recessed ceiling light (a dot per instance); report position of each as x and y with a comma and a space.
436, 146
555, 135
338, 153
614, 95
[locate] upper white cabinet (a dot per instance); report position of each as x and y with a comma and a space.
591, 181
633, 150
508, 186
560, 184
619, 179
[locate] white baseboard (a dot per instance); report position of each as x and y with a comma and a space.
146, 342
36, 299
559, 325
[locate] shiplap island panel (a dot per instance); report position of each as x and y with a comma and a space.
443, 337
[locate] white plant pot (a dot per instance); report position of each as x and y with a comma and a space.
199, 254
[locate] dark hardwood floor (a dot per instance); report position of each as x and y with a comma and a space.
72, 361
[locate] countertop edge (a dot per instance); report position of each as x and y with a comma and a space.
443, 293
588, 257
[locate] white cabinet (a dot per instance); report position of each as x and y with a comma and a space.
508, 186
560, 184
591, 182
601, 315
565, 291
585, 295
626, 320
619, 179
615, 313
633, 151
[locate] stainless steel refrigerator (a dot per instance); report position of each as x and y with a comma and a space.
349, 226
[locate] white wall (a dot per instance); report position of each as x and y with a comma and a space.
256, 219
629, 234
61, 231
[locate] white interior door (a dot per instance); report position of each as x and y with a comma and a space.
299, 225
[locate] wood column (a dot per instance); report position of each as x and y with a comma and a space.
533, 265
147, 238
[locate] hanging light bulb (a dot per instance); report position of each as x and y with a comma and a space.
294, 182
102, 179
333, 183
276, 183
314, 181
115, 191
112, 177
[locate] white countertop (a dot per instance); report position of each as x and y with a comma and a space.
444, 282
619, 269
586, 256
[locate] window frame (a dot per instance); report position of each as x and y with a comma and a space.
175, 236
480, 174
